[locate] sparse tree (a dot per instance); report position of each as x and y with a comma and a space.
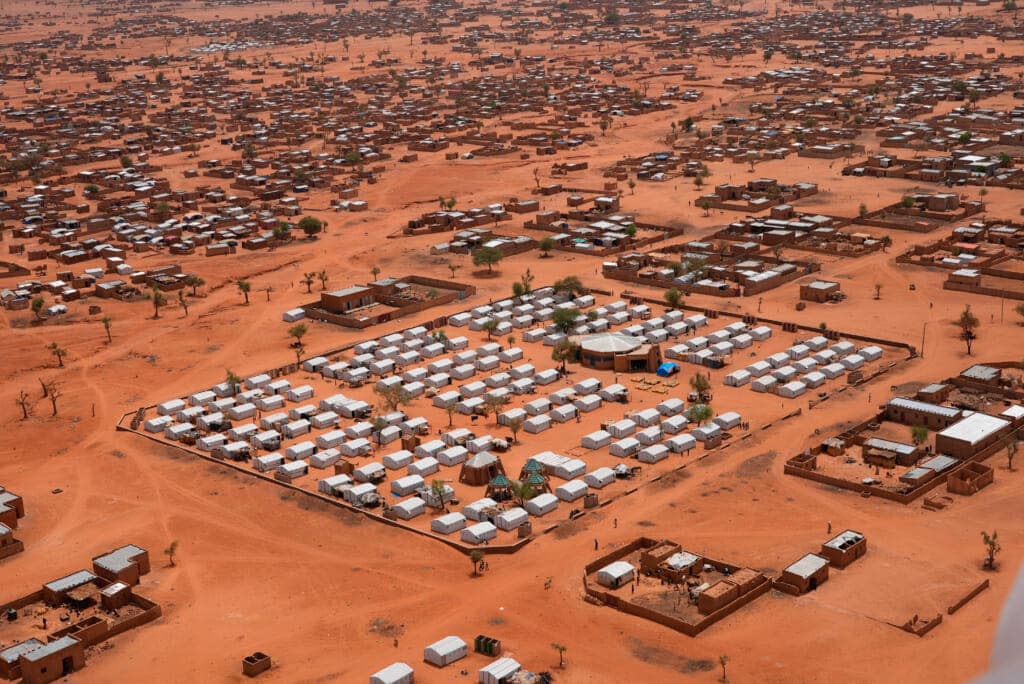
561, 653
878, 290
58, 352
308, 278
699, 413
375, 271
453, 267
393, 396
476, 555
565, 319
244, 286
439, 489
195, 282
674, 297
569, 285
968, 324
700, 384
723, 660
522, 491
563, 352
322, 277
886, 243
1019, 310
451, 409
992, 547
170, 552
24, 404
53, 391
514, 426
1010, 443
183, 302
232, 380
379, 425
919, 434
158, 298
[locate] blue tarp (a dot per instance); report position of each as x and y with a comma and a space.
667, 369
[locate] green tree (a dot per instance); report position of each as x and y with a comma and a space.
545, 246
968, 324
700, 384
565, 351
323, 278
992, 547
919, 434
569, 285
489, 326
487, 256
674, 297
393, 396
158, 298
58, 352
232, 380
308, 278
37, 306
476, 555
514, 426
244, 286
565, 319
311, 226
522, 491
699, 413
298, 331
195, 282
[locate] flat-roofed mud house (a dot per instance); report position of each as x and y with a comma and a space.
11, 508
361, 306
805, 575
126, 564
844, 548
974, 433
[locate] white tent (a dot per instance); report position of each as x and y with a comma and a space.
325, 458
596, 440
542, 504
448, 523
498, 671
479, 533
537, 424
653, 453
410, 508
405, 486
615, 574
624, 448
793, 389
650, 435
571, 490
475, 510
424, 466
600, 477
369, 472
511, 519
395, 673
445, 651
737, 378
397, 460
681, 443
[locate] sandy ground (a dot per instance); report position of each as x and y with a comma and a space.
333, 596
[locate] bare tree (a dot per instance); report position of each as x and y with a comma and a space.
24, 404
53, 391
